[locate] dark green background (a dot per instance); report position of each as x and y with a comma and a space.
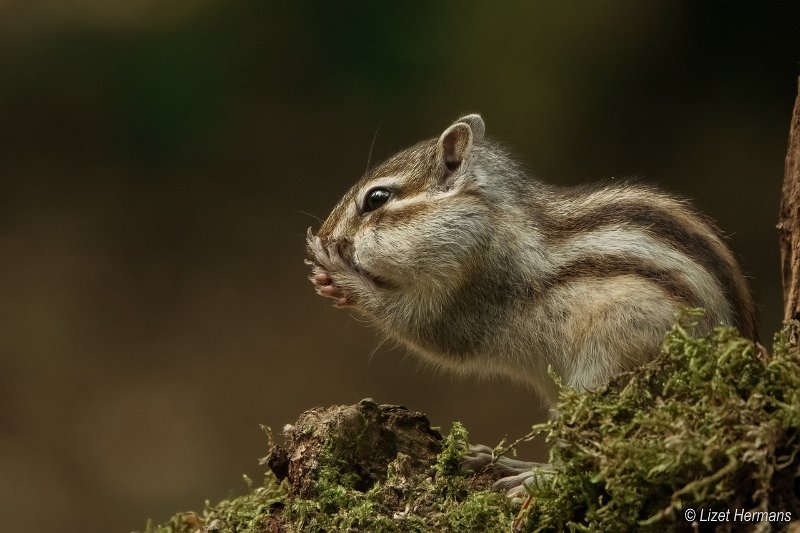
158, 166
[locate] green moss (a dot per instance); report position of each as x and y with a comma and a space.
337, 504
713, 423
448, 481
481, 511
245, 514
435, 501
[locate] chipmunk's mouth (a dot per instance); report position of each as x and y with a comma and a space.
339, 257
376, 280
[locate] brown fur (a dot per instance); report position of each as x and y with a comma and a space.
477, 268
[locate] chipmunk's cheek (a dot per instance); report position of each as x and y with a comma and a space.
391, 260
375, 273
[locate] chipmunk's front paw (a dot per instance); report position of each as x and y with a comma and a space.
325, 286
326, 260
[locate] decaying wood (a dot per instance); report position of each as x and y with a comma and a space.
361, 439
789, 222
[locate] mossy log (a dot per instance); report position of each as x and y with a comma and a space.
712, 425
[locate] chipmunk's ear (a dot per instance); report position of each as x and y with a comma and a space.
455, 143
476, 124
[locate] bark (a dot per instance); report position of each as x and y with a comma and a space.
789, 221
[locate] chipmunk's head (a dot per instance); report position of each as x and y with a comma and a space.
411, 225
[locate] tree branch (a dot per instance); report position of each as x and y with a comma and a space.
789, 221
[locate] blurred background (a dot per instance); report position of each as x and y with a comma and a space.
161, 161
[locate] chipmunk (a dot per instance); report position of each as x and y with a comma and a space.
452, 250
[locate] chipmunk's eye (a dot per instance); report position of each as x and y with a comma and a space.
375, 198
